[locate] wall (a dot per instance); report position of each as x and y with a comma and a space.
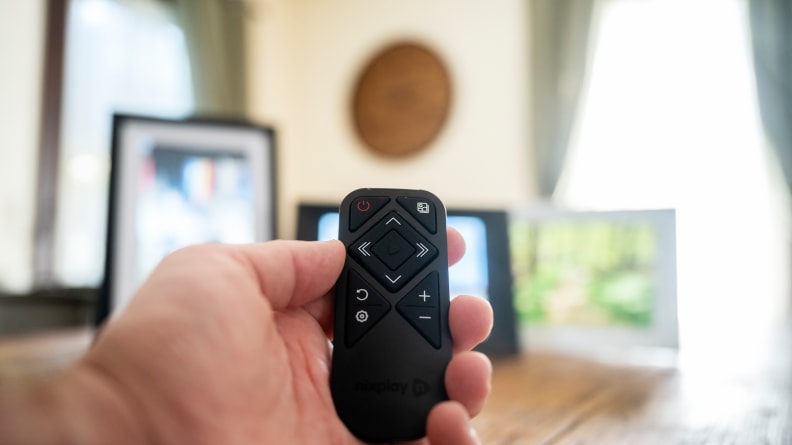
21, 52
306, 55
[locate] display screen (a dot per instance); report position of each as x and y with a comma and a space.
470, 276
591, 272
189, 197
176, 183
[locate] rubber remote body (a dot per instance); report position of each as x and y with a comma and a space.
391, 343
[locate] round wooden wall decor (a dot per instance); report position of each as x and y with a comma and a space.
401, 100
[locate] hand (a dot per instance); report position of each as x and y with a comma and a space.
229, 344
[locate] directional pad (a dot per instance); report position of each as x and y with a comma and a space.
393, 251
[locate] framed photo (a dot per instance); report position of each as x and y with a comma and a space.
597, 283
484, 271
175, 183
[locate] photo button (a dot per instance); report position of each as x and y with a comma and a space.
421, 209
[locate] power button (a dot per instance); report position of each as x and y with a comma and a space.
364, 208
363, 205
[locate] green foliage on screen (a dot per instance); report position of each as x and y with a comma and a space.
584, 272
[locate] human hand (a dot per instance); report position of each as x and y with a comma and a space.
229, 344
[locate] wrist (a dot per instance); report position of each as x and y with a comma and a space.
77, 405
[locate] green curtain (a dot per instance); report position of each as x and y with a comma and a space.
215, 35
771, 34
559, 33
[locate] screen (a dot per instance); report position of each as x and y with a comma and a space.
469, 276
593, 272
596, 283
175, 183
191, 197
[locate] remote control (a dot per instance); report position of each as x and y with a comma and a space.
392, 342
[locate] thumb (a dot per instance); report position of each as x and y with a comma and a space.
294, 273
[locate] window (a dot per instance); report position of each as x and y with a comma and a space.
670, 118
121, 56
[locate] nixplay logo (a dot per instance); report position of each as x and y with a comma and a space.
381, 387
419, 387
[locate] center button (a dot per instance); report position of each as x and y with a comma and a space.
393, 250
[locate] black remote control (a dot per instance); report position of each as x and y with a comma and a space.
392, 343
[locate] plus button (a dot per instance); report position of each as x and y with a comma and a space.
421, 310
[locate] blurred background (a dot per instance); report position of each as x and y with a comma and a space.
591, 105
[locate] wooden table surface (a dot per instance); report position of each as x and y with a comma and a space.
724, 396
715, 396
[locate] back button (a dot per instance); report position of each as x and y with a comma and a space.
365, 307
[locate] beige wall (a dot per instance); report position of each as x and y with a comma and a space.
21, 50
306, 55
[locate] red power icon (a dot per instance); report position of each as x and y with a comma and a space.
363, 206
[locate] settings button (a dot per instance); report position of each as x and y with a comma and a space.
365, 307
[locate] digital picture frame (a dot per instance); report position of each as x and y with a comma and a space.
597, 283
175, 183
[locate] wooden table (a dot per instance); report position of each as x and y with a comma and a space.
716, 395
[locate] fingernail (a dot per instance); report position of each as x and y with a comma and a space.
474, 436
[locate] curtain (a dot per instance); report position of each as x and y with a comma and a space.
772, 48
560, 42
215, 35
